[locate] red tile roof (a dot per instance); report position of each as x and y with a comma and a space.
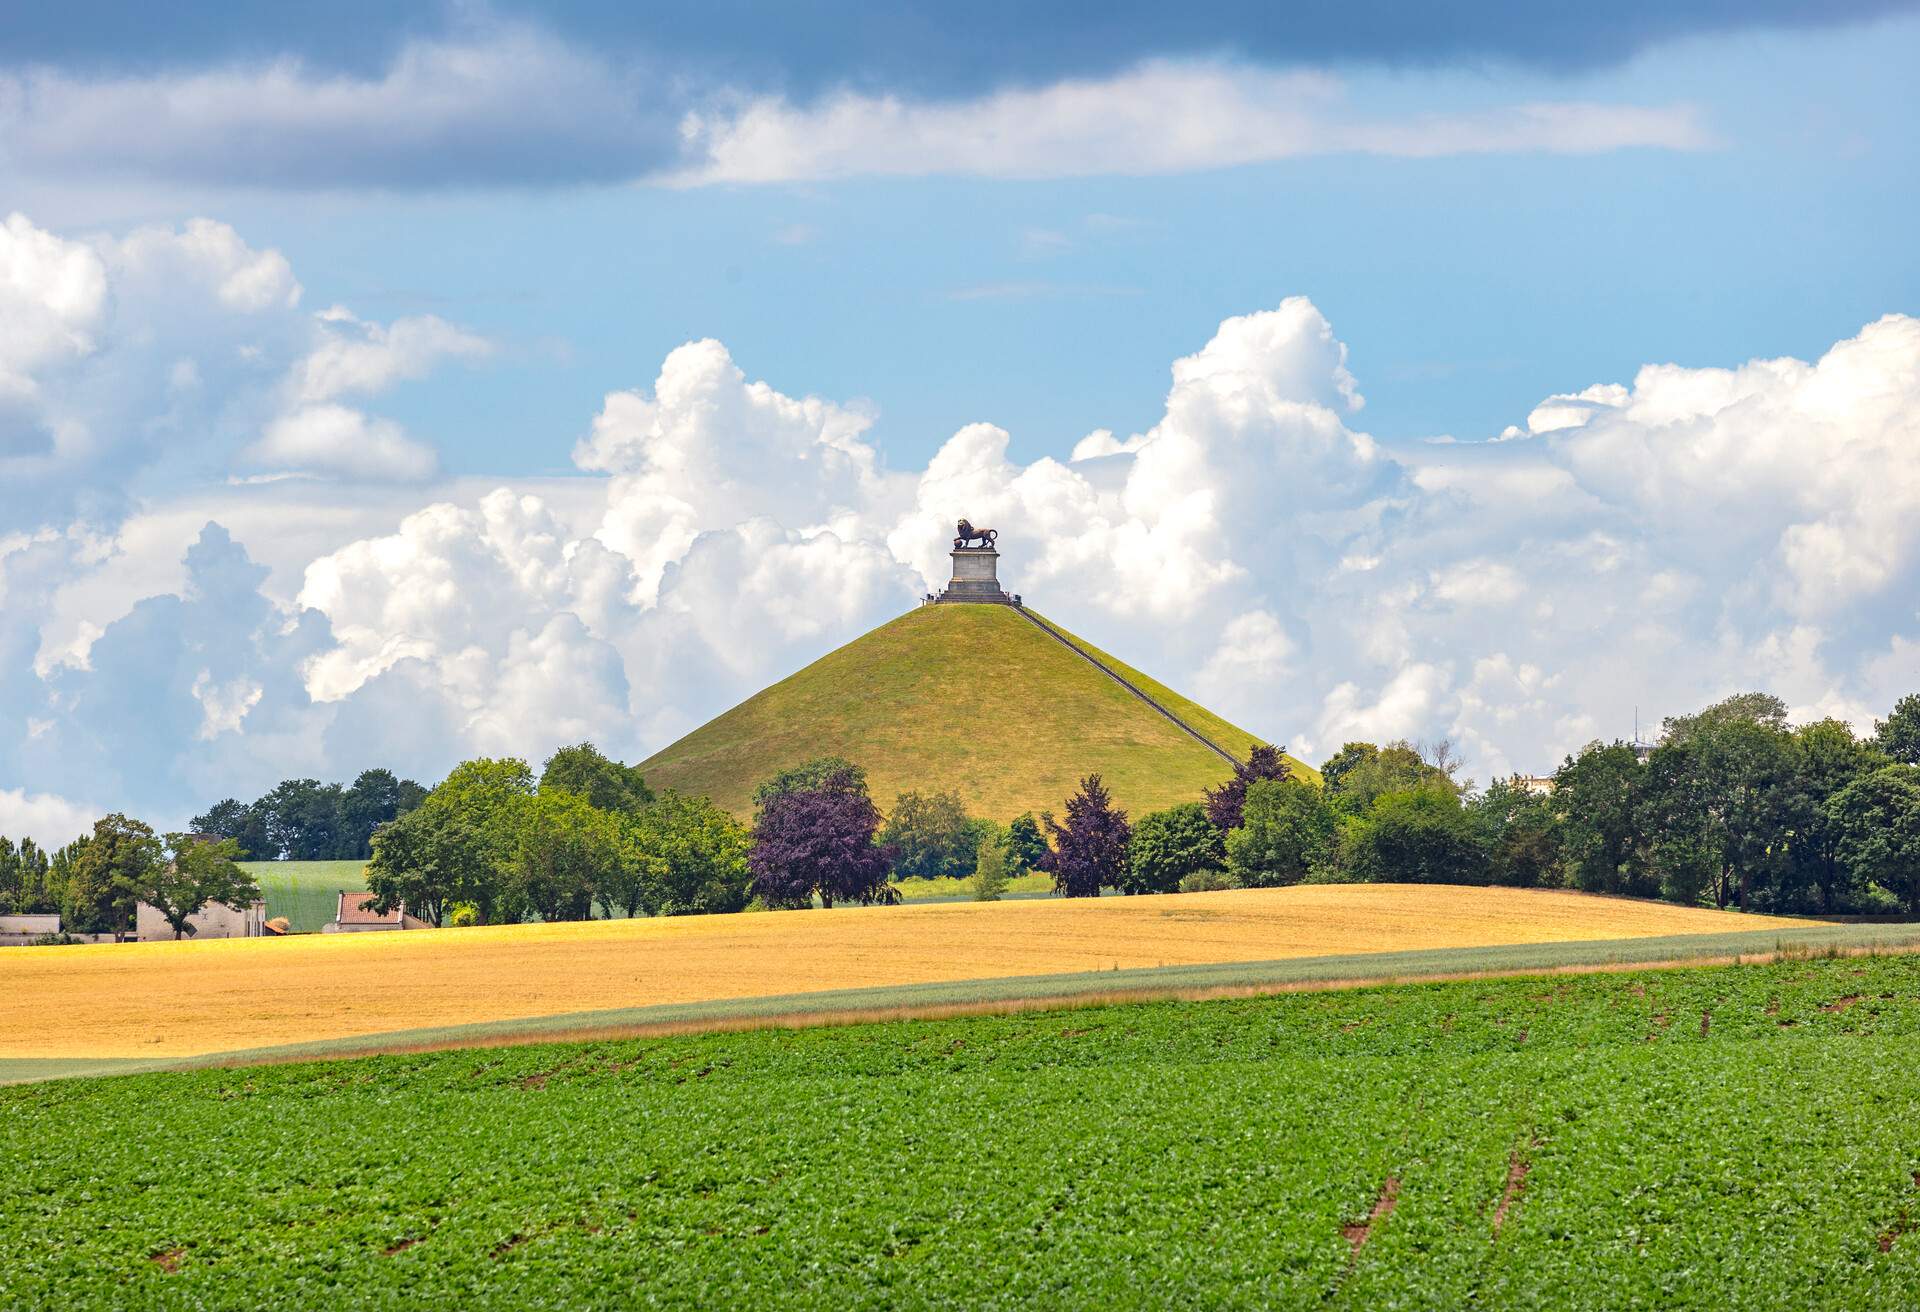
355, 911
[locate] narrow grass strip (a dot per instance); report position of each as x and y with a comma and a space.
906, 1001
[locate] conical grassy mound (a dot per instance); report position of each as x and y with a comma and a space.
977, 699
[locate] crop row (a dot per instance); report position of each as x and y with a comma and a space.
1728, 1136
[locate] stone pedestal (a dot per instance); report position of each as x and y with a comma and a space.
976, 577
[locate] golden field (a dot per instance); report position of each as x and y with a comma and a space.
184, 999
181, 999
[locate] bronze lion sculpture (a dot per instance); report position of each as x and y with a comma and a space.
986, 537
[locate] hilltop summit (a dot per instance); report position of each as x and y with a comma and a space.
990, 700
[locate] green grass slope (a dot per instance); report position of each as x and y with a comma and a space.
972, 698
1701, 1138
305, 892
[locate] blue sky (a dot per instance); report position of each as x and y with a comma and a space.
928, 227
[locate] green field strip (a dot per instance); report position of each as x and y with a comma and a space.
853, 1005
1699, 1138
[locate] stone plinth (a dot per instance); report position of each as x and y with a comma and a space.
976, 577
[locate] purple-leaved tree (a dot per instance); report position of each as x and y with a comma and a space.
1225, 803
818, 837
1091, 850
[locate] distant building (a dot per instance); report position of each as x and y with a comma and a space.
214, 920
1540, 785
21, 930
352, 915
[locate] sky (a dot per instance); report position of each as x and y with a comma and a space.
386, 386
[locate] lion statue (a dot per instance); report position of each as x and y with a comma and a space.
969, 535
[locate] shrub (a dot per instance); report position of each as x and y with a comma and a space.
1168, 846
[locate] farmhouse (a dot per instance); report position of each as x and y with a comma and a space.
352, 915
214, 920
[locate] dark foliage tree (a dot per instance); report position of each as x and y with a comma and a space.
815, 835
375, 798
1089, 852
1167, 846
606, 784
931, 836
1224, 802
1877, 825
305, 821
1898, 736
1827, 758
1286, 833
1517, 829
245, 825
1597, 798
25, 888
1026, 845
197, 870
1718, 805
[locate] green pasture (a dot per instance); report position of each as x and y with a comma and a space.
305, 892
1710, 1137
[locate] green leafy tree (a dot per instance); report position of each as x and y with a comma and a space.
305, 819
1287, 832
246, 825
1597, 798
375, 798
197, 871
452, 846
1363, 772
108, 875
836, 772
990, 867
562, 850
607, 784
1026, 845
24, 885
1827, 758
682, 856
1719, 805
931, 836
1089, 852
1516, 827
1169, 845
1416, 836
1898, 736
1877, 825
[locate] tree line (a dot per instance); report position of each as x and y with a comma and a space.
96, 883
1734, 807
306, 820
494, 844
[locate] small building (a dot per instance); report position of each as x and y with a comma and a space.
1540, 785
352, 915
29, 928
17, 931
214, 920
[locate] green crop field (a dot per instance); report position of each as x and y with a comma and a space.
305, 891
1014, 734
1711, 1137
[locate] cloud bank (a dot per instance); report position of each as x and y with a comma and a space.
1650, 543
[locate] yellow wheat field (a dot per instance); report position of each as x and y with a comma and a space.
183, 999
